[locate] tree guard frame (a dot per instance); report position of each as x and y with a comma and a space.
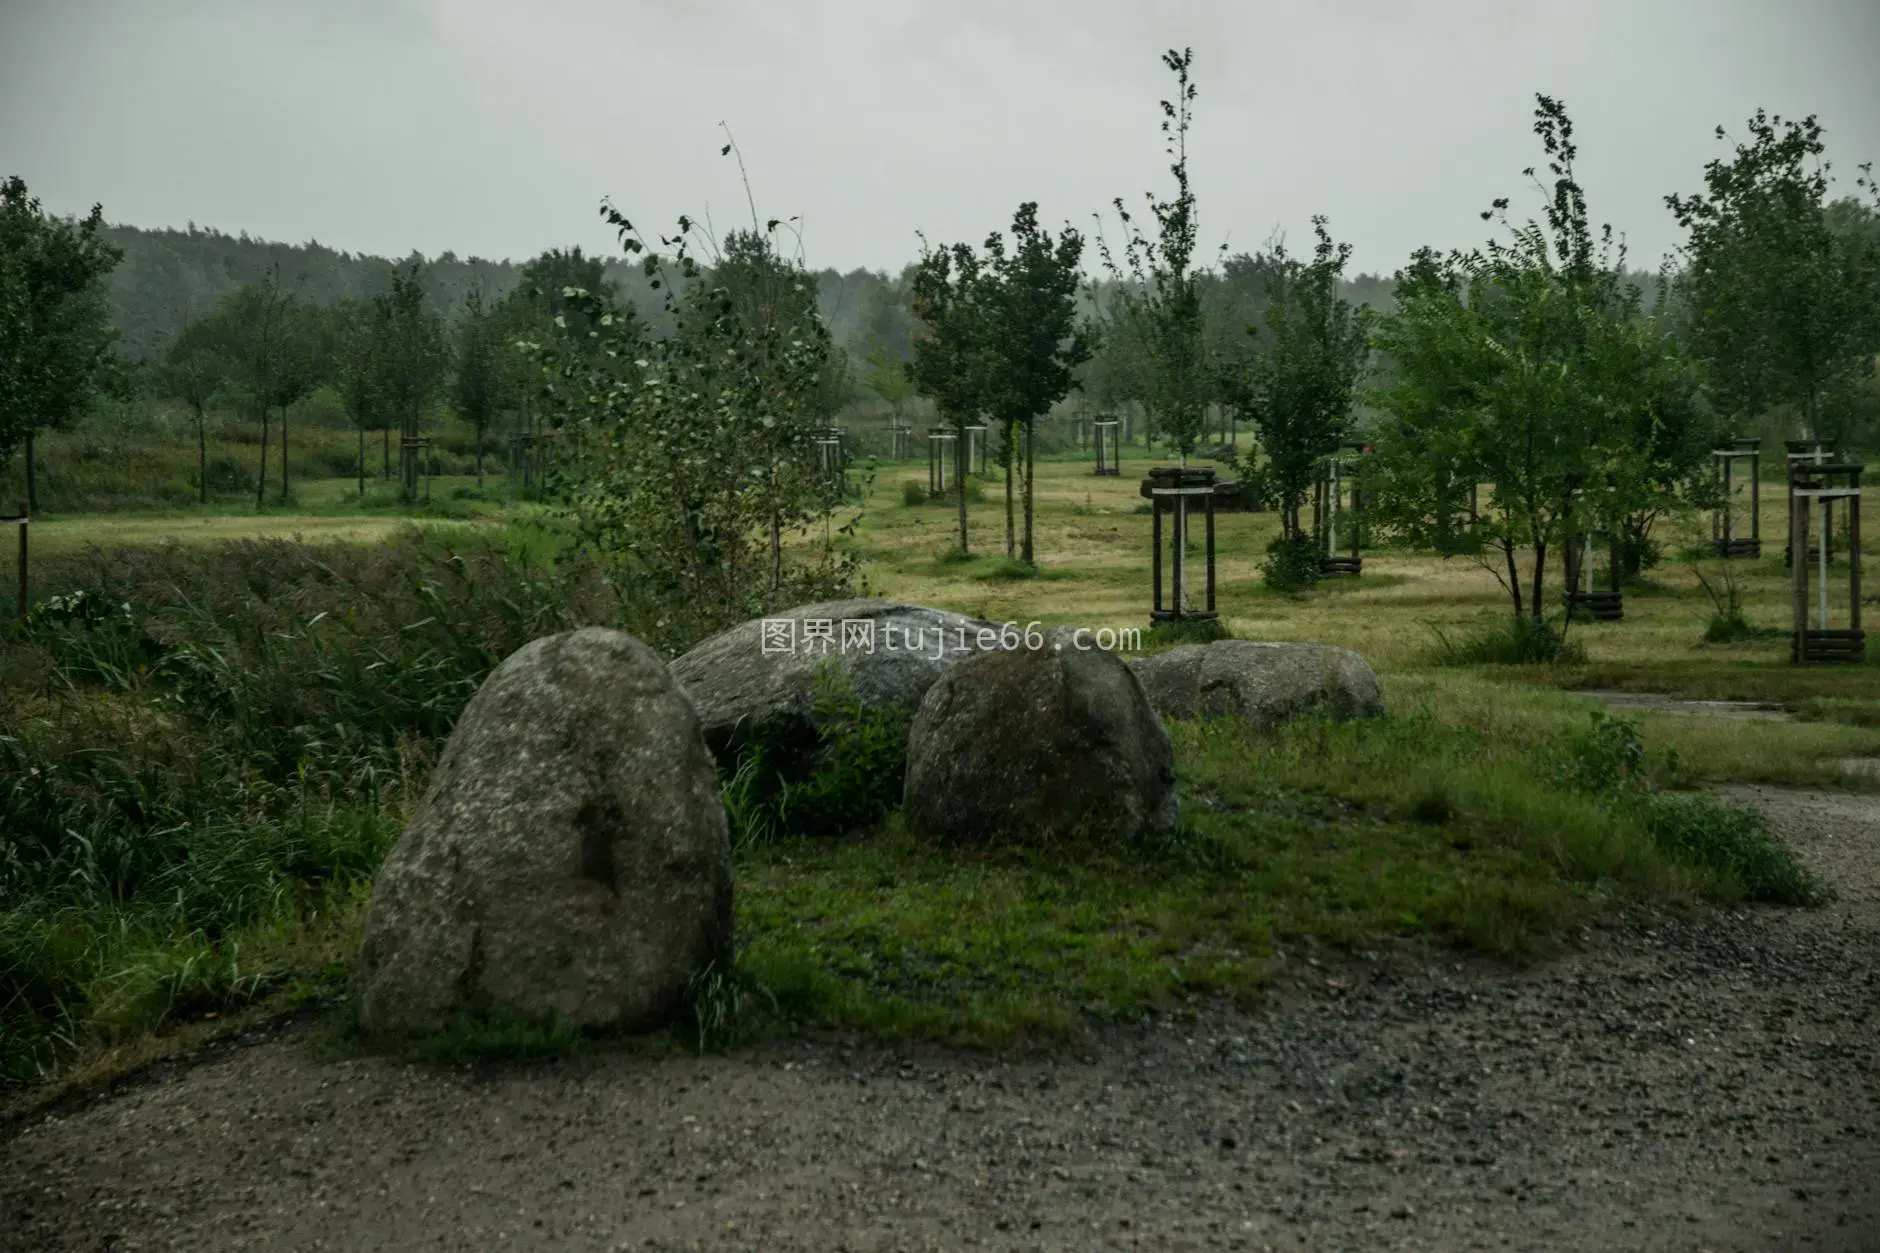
1338, 475
1580, 595
23, 520
975, 448
1169, 490
1724, 541
415, 464
1814, 452
899, 436
832, 459
1826, 481
1105, 435
941, 443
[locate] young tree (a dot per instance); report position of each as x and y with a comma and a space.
253, 329
888, 379
412, 358
356, 373
1784, 309
193, 370
478, 381
953, 302
1298, 392
1158, 293
55, 331
1517, 365
305, 362
700, 448
1037, 339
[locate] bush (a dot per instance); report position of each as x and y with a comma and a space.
913, 492
1291, 565
855, 778
1516, 640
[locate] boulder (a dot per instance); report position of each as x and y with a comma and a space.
1265, 684
1037, 746
570, 860
752, 687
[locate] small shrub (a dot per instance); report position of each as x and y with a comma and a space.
1733, 840
855, 779
1189, 631
913, 493
1517, 640
1291, 565
1727, 623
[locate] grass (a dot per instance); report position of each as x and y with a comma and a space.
221, 769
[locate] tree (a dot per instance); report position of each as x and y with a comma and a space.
55, 333
412, 358
952, 299
193, 370
1298, 392
1519, 365
1037, 339
356, 373
253, 330
1158, 292
1783, 308
699, 447
305, 361
888, 379
478, 382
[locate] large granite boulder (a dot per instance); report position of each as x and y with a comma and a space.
571, 859
757, 681
1039, 745
1265, 684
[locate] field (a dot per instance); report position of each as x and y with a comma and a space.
1488, 810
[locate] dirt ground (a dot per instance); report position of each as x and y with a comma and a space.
1668, 1086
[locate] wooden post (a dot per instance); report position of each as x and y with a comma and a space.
1155, 551
25, 522
1798, 567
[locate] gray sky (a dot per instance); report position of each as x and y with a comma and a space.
495, 127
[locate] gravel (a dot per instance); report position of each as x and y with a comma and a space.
1669, 1085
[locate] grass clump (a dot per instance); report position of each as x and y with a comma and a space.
1291, 565
1512, 640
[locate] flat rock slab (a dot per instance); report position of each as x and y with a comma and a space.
1656, 703
1266, 684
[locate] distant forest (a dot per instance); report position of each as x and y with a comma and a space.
169, 276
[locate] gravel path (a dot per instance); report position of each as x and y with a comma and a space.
1668, 1087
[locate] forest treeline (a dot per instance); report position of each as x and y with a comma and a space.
170, 276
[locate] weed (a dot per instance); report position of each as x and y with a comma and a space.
1511, 640
1291, 565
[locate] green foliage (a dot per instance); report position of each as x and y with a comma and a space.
1783, 307
1529, 366
477, 387
1188, 631
698, 441
1157, 295
1298, 392
1037, 340
1726, 624
1291, 563
854, 778
412, 357
203, 747
913, 493
1513, 641
55, 333
1610, 759
953, 301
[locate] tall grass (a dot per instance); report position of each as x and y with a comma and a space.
200, 746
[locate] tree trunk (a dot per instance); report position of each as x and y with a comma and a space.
283, 454
1030, 466
959, 480
202, 454
479, 456
1537, 606
32, 472
261, 478
361, 467
1514, 577
1011, 465
385, 470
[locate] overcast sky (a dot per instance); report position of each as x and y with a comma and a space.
495, 127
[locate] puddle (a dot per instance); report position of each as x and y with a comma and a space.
1653, 702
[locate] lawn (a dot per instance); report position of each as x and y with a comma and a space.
1487, 810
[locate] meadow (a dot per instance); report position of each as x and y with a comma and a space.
205, 754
